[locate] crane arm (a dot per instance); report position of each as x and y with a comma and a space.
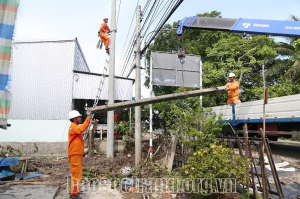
246, 26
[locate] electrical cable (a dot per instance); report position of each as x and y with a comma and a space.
128, 35
160, 25
154, 7
118, 14
173, 5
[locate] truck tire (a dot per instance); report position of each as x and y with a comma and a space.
273, 138
228, 132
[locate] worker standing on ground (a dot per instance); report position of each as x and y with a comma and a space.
233, 90
76, 150
104, 29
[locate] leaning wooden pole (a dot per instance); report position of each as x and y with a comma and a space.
152, 100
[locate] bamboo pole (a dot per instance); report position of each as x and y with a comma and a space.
246, 152
263, 171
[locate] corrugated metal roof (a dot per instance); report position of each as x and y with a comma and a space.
79, 59
86, 87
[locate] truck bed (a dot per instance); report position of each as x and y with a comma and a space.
281, 109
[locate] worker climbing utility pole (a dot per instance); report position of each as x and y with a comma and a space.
111, 86
138, 129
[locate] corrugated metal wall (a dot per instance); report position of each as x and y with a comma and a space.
42, 80
79, 59
86, 87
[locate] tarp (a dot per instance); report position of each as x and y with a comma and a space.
4, 162
27, 175
8, 13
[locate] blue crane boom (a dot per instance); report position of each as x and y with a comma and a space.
246, 26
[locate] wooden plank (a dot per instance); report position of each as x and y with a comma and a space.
169, 159
273, 168
246, 152
253, 163
157, 99
91, 139
263, 171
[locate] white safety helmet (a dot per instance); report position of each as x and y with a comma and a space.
231, 75
74, 114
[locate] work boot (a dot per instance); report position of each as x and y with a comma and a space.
80, 192
75, 197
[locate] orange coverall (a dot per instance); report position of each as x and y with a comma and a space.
233, 92
104, 27
75, 153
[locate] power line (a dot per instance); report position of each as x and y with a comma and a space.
128, 35
146, 6
126, 52
159, 26
153, 15
154, 18
153, 9
118, 13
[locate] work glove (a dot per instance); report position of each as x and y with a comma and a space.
88, 113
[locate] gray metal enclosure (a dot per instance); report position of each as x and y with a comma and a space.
168, 71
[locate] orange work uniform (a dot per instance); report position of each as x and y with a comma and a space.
233, 92
75, 153
104, 27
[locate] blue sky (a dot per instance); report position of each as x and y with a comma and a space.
67, 19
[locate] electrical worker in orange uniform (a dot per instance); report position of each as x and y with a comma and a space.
104, 29
76, 150
233, 90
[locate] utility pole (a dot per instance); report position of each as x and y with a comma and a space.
138, 129
111, 83
151, 108
200, 85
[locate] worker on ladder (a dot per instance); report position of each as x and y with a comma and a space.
104, 30
233, 90
76, 150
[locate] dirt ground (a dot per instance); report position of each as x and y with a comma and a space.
55, 170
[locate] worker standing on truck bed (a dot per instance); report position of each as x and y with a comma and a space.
233, 90
104, 29
76, 150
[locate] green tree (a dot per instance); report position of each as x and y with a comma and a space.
224, 52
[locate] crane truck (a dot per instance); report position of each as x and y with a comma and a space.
282, 115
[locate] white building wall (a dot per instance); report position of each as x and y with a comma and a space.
36, 131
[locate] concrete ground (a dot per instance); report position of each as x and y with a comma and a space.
28, 191
92, 194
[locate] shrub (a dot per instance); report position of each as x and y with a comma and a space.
216, 162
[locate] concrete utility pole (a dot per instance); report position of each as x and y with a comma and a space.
111, 83
157, 99
138, 129
151, 108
